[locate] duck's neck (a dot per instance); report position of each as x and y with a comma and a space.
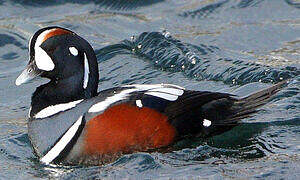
62, 91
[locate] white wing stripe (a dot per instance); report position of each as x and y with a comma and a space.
166, 96
172, 91
62, 143
153, 86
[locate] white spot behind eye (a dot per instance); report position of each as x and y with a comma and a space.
73, 51
139, 103
206, 122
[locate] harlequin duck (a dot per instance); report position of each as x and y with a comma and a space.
71, 123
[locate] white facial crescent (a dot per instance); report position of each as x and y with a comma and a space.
42, 59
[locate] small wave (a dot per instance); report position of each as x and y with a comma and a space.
196, 61
204, 11
105, 4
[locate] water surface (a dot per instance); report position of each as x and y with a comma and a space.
235, 46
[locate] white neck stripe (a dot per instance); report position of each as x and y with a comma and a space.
62, 143
86, 72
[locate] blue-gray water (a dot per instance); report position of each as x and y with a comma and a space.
236, 46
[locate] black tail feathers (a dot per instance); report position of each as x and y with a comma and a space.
225, 113
245, 106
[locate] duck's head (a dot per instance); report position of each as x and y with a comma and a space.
61, 55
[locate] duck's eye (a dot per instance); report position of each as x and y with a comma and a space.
73, 51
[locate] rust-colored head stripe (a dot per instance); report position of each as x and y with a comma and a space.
56, 32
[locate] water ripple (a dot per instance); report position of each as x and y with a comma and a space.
199, 62
108, 4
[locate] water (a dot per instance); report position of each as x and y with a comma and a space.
236, 46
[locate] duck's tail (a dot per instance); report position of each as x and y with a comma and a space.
226, 113
245, 106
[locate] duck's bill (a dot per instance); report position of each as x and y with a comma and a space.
29, 73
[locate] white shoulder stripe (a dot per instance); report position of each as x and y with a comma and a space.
86, 72
168, 92
101, 106
50, 110
62, 143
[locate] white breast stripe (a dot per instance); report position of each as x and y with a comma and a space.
29, 111
86, 72
43, 61
62, 143
101, 106
48, 111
